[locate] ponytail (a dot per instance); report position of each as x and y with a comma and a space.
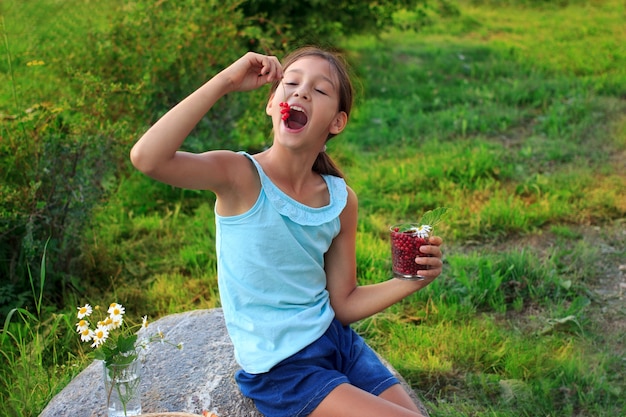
324, 165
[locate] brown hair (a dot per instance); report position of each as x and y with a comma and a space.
324, 164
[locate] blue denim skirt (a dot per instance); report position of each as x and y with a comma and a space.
298, 384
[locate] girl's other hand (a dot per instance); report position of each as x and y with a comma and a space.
433, 258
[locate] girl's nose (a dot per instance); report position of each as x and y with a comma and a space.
301, 92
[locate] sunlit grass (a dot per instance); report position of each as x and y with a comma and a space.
487, 196
173, 293
38, 37
492, 366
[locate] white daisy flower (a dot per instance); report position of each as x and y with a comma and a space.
86, 335
423, 231
99, 336
108, 323
82, 325
116, 309
84, 311
115, 322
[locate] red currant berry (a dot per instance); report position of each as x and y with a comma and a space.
285, 110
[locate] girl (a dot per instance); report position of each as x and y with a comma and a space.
286, 237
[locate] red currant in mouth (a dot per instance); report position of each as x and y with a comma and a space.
284, 111
294, 116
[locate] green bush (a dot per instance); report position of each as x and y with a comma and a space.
54, 168
326, 21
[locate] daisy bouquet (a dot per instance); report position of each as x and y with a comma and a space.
114, 340
115, 343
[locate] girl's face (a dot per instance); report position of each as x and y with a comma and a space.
311, 88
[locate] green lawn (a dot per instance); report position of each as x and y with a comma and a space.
511, 116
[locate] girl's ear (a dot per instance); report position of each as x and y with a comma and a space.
339, 123
268, 106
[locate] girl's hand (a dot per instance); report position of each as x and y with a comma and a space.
253, 70
433, 260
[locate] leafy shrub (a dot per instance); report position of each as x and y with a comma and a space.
54, 166
326, 21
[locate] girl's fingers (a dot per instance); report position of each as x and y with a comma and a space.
253, 70
431, 250
435, 240
432, 258
433, 247
269, 67
429, 274
434, 266
272, 69
432, 261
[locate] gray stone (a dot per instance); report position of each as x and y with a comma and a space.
199, 377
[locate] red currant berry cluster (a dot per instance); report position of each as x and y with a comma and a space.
405, 247
284, 110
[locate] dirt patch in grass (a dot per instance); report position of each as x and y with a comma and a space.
604, 278
609, 284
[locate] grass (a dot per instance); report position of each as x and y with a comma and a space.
512, 116
36, 41
33, 369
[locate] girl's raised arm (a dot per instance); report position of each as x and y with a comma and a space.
157, 152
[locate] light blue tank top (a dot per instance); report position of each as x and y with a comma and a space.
271, 274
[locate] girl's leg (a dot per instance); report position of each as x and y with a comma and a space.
396, 394
349, 401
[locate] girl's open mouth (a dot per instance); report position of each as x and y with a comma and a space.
297, 118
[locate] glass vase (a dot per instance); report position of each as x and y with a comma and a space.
122, 384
